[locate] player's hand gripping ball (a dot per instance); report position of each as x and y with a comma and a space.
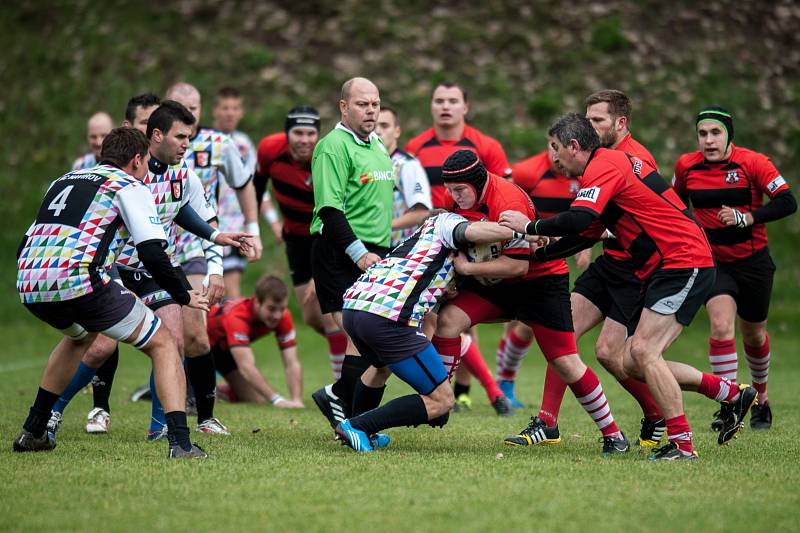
480, 253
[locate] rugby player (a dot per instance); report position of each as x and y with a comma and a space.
284, 158
98, 126
533, 292
139, 109
725, 185
672, 258
86, 219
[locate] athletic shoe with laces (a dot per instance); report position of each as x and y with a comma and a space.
212, 426
157, 434
502, 406
651, 433
761, 416
463, 403
537, 432
97, 421
509, 390
716, 424
196, 452
671, 452
54, 424
142, 393
379, 440
615, 445
354, 438
26, 442
330, 405
733, 413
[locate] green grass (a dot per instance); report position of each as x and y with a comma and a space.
281, 478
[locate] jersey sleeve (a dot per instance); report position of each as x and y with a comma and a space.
138, 210
237, 329
330, 173
285, 333
767, 177
414, 181
196, 198
249, 160
446, 225
495, 160
232, 167
601, 182
679, 178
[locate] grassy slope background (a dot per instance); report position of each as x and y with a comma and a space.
523, 65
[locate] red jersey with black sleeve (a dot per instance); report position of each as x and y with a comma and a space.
501, 195
550, 191
645, 214
432, 153
292, 186
235, 323
739, 182
631, 146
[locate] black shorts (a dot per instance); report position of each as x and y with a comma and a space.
334, 272
380, 340
195, 266
223, 360
679, 291
233, 260
614, 289
749, 282
142, 284
298, 254
111, 309
544, 301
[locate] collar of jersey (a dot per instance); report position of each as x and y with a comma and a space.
155, 166
371, 137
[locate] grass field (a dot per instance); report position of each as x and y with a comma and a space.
291, 475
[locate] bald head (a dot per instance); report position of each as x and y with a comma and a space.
356, 84
188, 96
100, 124
360, 105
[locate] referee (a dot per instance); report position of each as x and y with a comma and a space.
351, 226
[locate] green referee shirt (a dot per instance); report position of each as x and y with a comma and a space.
357, 178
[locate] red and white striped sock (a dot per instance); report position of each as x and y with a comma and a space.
337, 346
679, 432
450, 351
590, 395
717, 388
723, 358
758, 361
510, 353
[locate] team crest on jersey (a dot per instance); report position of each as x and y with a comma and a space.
573, 187
177, 189
732, 177
202, 158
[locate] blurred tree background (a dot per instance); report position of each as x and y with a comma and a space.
523, 63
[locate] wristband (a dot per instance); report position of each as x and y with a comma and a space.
276, 398
517, 235
530, 228
271, 216
356, 250
252, 228
214, 235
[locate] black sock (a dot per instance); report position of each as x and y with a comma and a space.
403, 411
204, 381
460, 389
366, 398
352, 368
178, 430
103, 380
39, 413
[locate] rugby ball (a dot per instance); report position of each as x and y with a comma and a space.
479, 253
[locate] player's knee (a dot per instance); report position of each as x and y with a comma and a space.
641, 353
196, 345
722, 325
451, 322
609, 355
754, 336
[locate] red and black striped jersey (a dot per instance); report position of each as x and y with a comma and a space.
235, 323
292, 186
550, 191
645, 214
501, 195
631, 146
739, 182
432, 153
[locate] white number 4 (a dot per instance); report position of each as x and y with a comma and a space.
59, 203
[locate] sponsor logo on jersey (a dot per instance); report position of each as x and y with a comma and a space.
155, 220
732, 177
177, 189
241, 337
418, 188
637, 165
573, 187
776, 184
377, 175
202, 158
588, 195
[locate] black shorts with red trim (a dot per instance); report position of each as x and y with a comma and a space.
298, 254
334, 272
541, 303
749, 282
679, 291
614, 289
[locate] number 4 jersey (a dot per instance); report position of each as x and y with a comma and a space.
84, 221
